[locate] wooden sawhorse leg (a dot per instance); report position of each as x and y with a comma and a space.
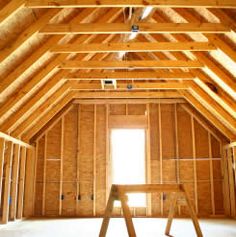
171, 213
127, 215
108, 212
193, 214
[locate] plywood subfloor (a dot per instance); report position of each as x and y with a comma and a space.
145, 227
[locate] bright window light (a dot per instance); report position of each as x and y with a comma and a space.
128, 161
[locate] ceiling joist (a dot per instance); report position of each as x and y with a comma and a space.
133, 47
129, 75
141, 64
143, 28
130, 3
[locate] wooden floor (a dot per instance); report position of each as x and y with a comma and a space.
146, 227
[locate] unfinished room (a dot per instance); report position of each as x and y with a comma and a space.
117, 118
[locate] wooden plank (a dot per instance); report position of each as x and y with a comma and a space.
61, 164
130, 3
94, 158
2, 158
10, 9
129, 101
78, 161
211, 175
7, 184
129, 94
75, 85
127, 121
14, 187
44, 173
21, 192
132, 47
144, 28
161, 155
14, 140
194, 164
171, 213
130, 64
129, 75
148, 160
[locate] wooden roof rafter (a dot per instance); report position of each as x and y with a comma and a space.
49, 67
10, 9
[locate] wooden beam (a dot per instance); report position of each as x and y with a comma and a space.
14, 185
208, 115
7, 183
129, 101
135, 86
130, 3
10, 9
21, 184
27, 34
126, 95
130, 64
2, 151
132, 47
129, 75
123, 28
14, 140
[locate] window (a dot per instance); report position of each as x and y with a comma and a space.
128, 161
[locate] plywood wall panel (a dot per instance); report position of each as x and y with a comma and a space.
204, 198
86, 159
52, 199
54, 142
203, 170
117, 109
40, 160
218, 198
52, 171
215, 145
169, 171
69, 199
100, 159
184, 133
201, 139
70, 146
38, 200
217, 174
168, 131
186, 170
136, 109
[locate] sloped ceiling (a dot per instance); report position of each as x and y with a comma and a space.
55, 51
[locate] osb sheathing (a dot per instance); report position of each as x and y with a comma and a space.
75, 154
